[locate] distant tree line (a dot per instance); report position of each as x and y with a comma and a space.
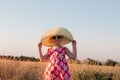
92, 62
19, 58
108, 62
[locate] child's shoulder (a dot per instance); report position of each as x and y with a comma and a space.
49, 49
64, 48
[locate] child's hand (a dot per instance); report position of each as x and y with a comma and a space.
74, 43
39, 44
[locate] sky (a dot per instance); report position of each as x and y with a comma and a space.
94, 24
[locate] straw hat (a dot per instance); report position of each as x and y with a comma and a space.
46, 37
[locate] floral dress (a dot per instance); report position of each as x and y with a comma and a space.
57, 68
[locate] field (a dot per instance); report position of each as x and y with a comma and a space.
27, 70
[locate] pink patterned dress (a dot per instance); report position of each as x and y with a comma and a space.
57, 68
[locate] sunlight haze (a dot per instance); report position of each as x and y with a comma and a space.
94, 24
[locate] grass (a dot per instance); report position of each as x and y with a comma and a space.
21, 70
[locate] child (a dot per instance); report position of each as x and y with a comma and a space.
57, 68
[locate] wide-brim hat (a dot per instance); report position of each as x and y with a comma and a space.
61, 31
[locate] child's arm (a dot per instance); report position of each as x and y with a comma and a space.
73, 54
42, 57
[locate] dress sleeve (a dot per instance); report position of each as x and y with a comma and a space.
64, 48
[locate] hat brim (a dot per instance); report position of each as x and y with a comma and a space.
46, 37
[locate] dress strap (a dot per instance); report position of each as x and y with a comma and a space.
49, 52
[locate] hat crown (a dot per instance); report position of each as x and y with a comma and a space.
56, 31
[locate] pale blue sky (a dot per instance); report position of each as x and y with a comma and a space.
95, 24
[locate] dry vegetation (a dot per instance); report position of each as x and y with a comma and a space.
26, 70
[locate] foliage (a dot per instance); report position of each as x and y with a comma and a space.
16, 70
92, 62
89, 61
118, 64
92, 75
110, 62
20, 70
21, 58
